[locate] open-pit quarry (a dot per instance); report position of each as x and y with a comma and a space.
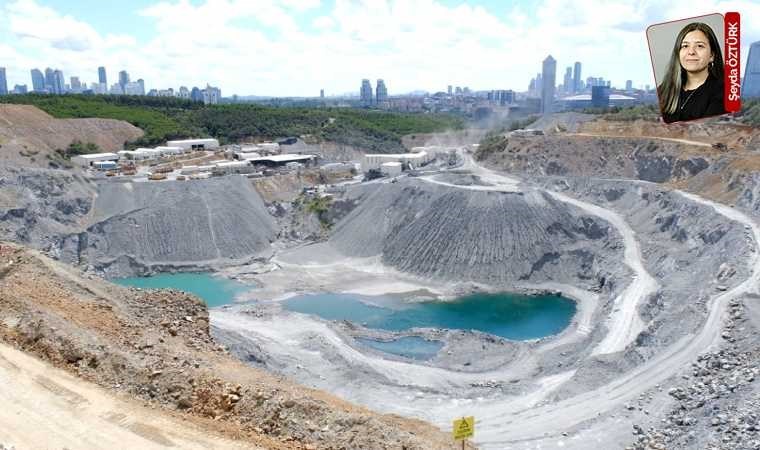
653, 233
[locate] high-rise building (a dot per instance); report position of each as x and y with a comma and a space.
38, 80
629, 85
99, 88
577, 87
184, 92
567, 82
3, 82
449, 90
59, 84
211, 95
751, 84
366, 93
133, 88
321, 93
116, 89
76, 85
600, 96
196, 95
123, 79
548, 77
49, 80
20, 89
381, 92
102, 75
141, 82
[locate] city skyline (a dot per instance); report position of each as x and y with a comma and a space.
302, 46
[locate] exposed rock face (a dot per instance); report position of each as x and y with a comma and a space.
468, 235
37, 206
175, 222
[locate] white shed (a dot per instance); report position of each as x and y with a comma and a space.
391, 169
194, 144
87, 160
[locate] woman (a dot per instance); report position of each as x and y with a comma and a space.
693, 84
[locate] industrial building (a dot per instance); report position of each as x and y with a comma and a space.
374, 162
244, 156
229, 167
195, 144
390, 169
104, 165
88, 160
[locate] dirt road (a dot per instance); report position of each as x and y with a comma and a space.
46, 408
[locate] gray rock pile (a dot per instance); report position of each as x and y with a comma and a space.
718, 407
496, 238
173, 222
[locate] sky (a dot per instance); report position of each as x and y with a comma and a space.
297, 47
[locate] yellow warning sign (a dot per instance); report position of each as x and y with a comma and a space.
464, 428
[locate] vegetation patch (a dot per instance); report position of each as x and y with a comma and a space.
165, 118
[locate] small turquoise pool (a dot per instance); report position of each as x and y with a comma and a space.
413, 347
512, 316
215, 291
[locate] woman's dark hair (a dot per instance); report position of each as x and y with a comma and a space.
675, 76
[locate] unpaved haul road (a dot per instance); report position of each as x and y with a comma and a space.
546, 422
533, 424
42, 407
680, 141
624, 324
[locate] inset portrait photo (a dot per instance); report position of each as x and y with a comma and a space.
687, 60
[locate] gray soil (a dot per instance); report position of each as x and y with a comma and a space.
684, 378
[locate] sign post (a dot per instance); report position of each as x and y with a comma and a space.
464, 428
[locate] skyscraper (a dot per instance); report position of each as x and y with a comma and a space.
629, 85
123, 79
196, 95
76, 85
366, 93
548, 77
211, 95
449, 90
49, 80
3, 82
141, 82
58, 82
321, 93
381, 93
38, 80
577, 77
751, 85
567, 82
102, 75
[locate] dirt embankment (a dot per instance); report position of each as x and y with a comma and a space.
155, 346
29, 136
735, 136
677, 155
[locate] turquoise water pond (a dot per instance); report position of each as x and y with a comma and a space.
512, 316
215, 291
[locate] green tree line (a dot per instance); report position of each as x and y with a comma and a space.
165, 118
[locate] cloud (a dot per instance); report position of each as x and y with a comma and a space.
296, 47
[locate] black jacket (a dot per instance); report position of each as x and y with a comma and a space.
704, 101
